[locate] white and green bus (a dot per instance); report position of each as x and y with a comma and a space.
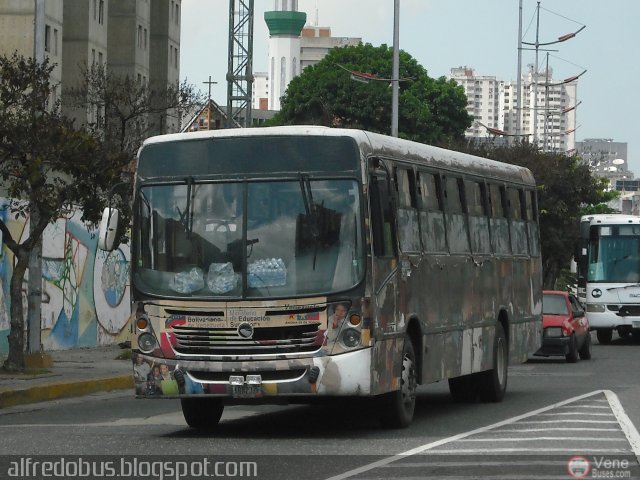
288, 264
609, 274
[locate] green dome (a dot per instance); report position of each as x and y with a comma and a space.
285, 23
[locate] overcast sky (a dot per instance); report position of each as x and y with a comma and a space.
441, 34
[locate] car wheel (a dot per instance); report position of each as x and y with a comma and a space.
398, 406
572, 354
202, 413
585, 350
492, 384
604, 336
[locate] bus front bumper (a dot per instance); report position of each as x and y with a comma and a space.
609, 319
348, 374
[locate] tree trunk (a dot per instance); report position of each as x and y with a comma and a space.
15, 359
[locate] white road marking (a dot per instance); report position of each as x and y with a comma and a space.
534, 439
562, 429
627, 425
432, 447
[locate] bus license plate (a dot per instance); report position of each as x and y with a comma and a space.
246, 391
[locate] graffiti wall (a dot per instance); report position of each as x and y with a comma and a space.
85, 291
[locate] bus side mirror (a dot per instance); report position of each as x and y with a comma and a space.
108, 229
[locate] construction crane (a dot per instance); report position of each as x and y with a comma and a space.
240, 70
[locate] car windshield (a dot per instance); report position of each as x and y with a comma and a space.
554, 305
249, 239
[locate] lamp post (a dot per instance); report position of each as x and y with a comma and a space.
395, 77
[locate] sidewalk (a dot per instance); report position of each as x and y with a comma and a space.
74, 373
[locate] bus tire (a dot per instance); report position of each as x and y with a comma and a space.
572, 354
398, 406
492, 384
202, 413
604, 335
465, 388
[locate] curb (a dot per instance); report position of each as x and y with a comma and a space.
52, 391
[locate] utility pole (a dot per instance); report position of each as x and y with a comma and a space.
395, 78
519, 75
34, 285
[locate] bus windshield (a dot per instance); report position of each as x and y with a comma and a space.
614, 254
249, 239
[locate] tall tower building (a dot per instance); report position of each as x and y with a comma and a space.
285, 25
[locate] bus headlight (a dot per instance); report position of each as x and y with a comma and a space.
147, 342
351, 337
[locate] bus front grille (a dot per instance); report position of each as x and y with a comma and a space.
265, 340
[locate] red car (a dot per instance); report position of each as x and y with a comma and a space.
565, 327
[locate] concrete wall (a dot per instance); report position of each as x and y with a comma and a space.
85, 291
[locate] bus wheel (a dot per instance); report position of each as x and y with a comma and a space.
604, 335
572, 354
202, 413
398, 406
492, 384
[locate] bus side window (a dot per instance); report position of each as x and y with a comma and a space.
455, 218
408, 227
434, 239
382, 219
532, 222
519, 244
498, 224
476, 196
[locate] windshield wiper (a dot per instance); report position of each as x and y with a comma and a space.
309, 206
312, 215
186, 218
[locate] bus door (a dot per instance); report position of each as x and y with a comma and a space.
383, 237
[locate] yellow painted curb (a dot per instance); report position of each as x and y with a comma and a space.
53, 391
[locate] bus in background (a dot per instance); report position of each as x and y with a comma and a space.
609, 273
288, 264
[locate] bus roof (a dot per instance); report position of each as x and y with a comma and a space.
373, 144
610, 219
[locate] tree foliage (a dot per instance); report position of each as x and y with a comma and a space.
430, 110
566, 189
47, 168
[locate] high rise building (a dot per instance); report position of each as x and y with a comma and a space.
137, 38
483, 100
548, 113
18, 32
316, 42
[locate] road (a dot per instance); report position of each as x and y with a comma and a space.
553, 412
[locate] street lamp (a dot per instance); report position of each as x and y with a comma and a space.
395, 77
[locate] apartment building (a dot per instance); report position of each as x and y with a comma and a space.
547, 115
483, 100
18, 31
138, 38
315, 43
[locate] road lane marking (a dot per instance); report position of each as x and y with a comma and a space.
510, 421
628, 428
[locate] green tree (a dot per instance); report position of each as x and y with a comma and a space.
566, 189
47, 168
430, 110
